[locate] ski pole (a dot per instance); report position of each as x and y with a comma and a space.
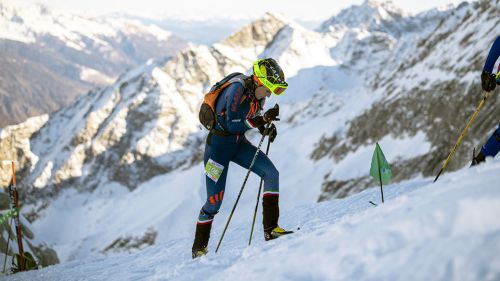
243, 186
258, 197
14, 196
486, 95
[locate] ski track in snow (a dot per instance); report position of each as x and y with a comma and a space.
448, 230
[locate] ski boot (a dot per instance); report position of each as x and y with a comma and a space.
199, 252
275, 233
477, 159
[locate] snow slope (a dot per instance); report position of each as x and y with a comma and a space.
448, 230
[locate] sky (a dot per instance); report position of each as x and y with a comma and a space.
310, 10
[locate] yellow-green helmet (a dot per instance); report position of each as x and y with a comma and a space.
267, 72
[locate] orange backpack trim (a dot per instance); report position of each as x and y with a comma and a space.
211, 97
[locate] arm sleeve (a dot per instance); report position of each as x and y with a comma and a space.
236, 119
492, 56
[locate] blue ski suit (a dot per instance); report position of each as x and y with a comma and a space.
492, 146
235, 108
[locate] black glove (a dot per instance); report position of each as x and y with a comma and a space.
271, 132
272, 114
258, 121
488, 81
269, 116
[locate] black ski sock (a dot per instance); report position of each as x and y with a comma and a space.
271, 212
202, 236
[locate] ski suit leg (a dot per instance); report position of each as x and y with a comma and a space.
262, 166
216, 159
492, 146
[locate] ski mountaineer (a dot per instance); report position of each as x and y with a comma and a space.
488, 82
238, 109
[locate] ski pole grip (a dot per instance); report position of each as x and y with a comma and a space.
268, 125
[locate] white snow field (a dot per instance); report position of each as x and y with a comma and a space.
448, 230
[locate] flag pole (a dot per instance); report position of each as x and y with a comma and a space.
380, 175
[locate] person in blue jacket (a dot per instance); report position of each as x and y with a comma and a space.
238, 110
488, 82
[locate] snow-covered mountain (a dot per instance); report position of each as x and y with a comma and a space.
448, 230
121, 167
425, 96
371, 15
49, 57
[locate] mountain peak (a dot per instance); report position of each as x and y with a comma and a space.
388, 6
369, 15
277, 17
259, 32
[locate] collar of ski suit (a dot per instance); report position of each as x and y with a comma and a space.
255, 105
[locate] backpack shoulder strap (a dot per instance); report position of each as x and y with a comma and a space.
228, 80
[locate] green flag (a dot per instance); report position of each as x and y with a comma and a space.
10, 213
378, 160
